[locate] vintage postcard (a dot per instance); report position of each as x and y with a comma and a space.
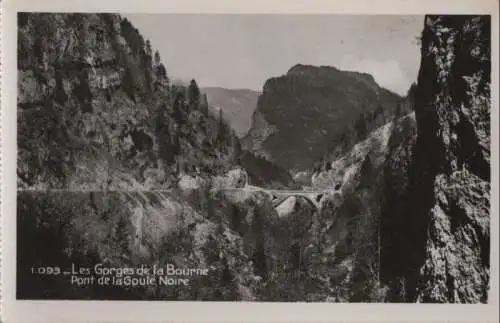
193, 161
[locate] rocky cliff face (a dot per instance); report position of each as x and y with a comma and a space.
129, 230
99, 121
351, 221
444, 255
250, 251
96, 109
455, 96
299, 113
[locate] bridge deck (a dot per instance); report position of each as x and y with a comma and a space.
276, 191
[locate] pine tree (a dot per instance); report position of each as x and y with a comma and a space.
157, 59
398, 109
361, 127
163, 72
221, 131
229, 288
236, 149
193, 94
204, 105
160, 70
367, 172
178, 107
176, 145
148, 48
221, 119
227, 277
411, 95
128, 84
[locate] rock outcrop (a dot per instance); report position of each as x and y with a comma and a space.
99, 122
348, 244
300, 112
235, 178
129, 230
264, 173
96, 110
237, 235
442, 253
453, 116
302, 178
343, 173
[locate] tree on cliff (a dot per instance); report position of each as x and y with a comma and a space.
179, 105
220, 129
193, 94
360, 126
204, 105
236, 148
160, 70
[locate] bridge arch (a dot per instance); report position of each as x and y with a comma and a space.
311, 200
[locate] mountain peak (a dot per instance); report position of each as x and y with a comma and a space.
301, 112
304, 68
326, 69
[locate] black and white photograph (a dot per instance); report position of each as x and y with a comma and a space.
314, 158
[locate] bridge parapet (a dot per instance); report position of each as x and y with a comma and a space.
312, 196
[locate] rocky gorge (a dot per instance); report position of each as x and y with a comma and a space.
118, 166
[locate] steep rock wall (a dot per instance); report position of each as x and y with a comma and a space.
444, 256
302, 114
96, 111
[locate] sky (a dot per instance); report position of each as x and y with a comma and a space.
243, 51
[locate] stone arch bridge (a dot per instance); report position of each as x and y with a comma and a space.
279, 196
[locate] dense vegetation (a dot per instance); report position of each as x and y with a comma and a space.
301, 112
264, 173
359, 129
97, 109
